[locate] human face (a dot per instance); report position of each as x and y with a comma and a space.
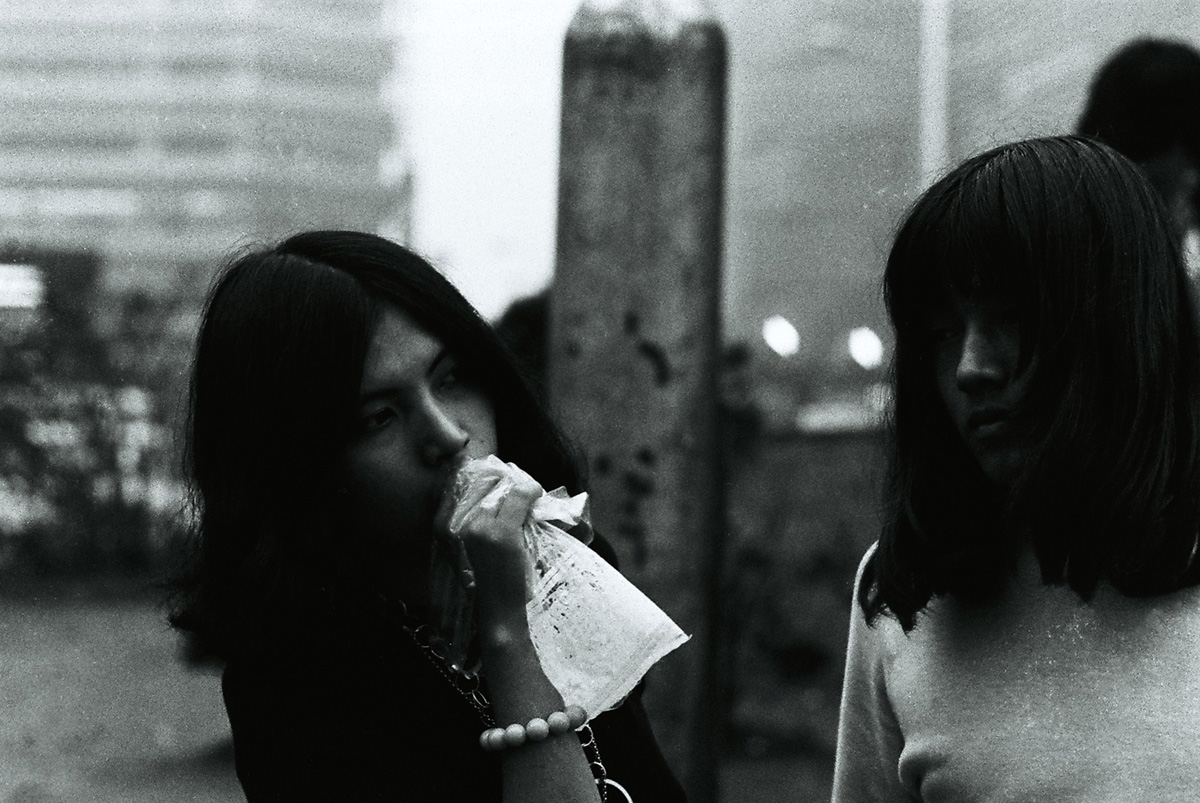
980, 379
418, 416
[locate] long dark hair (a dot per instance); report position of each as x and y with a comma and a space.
274, 393
1071, 235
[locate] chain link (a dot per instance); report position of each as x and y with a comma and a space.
467, 683
592, 752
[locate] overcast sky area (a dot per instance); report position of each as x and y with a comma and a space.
478, 87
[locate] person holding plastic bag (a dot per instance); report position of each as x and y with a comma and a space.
1027, 627
377, 494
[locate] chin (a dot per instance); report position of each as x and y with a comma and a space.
1002, 472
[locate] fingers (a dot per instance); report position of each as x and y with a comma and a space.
488, 521
462, 501
488, 509
502, 512
522, 491
445, 510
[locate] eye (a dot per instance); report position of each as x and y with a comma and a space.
940, 334
1013, 321
452, 378
941, 331
1005, 314
449, 378
375, 420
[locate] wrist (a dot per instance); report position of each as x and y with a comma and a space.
504, 633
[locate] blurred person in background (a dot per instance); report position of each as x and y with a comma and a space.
1027, 626
1145, 102
339, 380
523, 328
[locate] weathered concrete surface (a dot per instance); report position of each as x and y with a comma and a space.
634, 322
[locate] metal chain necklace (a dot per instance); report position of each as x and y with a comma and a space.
464, 681
468, 684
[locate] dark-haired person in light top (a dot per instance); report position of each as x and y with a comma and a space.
1027, 627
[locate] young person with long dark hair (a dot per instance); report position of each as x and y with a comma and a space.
1028, 625
339, 381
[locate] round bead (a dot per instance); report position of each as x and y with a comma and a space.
500, 739
499, 742
559, 723
514, 735
537, 729
492, 739
576, 715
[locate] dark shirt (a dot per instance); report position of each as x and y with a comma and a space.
361, 713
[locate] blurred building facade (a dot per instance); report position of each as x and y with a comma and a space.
162, 133
823, 155
141, 142
1022, 68
825, 148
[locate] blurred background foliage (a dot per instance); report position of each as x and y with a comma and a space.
89, 486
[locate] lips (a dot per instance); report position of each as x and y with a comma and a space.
987, 419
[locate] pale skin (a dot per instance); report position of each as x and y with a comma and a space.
419, 419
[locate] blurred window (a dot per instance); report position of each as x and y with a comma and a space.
204, 65
63, 66
206, 203
196, 142
89, 202
20, 286
80, 140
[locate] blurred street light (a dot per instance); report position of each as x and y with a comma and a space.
20, 286
866, 348
781, 336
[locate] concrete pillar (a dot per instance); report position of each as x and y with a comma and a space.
634, 325
934, 80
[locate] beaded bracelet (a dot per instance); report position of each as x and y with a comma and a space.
536, 730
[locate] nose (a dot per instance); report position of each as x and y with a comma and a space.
983, 362
442, 437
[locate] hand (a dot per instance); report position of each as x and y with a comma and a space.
488, 520
487, 517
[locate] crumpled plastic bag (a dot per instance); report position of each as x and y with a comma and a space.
595, 633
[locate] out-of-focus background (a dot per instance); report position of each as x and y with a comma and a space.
142, 141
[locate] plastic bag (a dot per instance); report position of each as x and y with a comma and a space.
595, 633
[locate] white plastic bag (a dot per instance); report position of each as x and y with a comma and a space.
595, 633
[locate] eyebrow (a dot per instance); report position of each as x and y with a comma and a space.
389, 390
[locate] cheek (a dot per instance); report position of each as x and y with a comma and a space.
478, 419
389, 502
945, 378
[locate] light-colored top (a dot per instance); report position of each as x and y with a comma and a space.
1036, 697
